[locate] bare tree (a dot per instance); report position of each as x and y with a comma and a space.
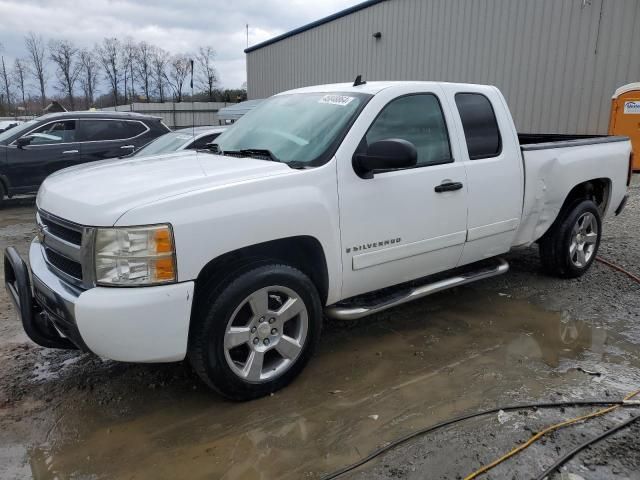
36, 52
160, 61
127, 56
179, 68
4, 76
109, 54
207, 75
89, 76
64, 55
19, 76
143, 62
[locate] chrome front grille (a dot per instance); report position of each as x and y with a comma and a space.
69, 267
66, 246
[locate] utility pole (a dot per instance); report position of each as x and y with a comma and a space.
247, 35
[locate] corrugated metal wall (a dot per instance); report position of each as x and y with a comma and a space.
557, 61
178, 115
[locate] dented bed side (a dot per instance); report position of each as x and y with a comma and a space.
553, 169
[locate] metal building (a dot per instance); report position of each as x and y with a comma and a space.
177, 115
558, 62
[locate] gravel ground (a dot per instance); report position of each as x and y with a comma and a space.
69, 415
607, 298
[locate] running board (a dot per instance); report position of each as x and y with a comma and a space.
354, 311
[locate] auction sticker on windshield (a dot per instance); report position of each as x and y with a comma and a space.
341, 100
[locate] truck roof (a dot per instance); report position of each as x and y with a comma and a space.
370, 87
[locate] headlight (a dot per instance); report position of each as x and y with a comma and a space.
135, 256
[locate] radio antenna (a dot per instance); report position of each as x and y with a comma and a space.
358, 81
193, 107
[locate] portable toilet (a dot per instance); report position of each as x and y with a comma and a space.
625, 117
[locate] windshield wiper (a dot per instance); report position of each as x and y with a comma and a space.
259, 153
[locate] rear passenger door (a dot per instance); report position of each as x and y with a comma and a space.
109, 138
493, 164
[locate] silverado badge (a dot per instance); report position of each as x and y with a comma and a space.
368, 246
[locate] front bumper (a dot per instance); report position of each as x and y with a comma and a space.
141, 324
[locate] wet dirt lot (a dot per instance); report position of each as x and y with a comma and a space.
516, 338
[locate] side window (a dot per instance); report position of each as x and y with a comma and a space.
202, 142
133, 129
419, 120
63, 131
97, 130
480, 125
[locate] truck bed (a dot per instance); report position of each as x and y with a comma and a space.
553, 164
540, 141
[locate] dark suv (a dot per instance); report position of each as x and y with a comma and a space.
35, 149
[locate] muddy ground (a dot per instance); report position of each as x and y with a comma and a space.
517, 338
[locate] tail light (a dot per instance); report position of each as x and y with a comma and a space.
630, 169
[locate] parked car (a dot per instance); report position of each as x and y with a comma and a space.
183, 139
35, 149
337, 199
7, 124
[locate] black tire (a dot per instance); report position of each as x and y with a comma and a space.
212, 315
3, 193
556, 243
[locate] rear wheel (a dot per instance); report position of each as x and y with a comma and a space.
569, 248
3, 193
256, 334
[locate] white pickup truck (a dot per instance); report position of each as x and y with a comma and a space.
340, 200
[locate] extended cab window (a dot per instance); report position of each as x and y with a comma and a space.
63, 131
96, 130
419, 120
480, 125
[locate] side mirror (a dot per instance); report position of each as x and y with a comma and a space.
389, 154
23, 141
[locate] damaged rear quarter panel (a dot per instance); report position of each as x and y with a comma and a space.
550, 174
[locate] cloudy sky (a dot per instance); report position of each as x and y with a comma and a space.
175, 25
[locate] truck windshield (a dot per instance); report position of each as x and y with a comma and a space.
301, 129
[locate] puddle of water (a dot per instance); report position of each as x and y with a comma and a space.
370, 383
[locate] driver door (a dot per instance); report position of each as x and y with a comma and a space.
53, 146
398, 225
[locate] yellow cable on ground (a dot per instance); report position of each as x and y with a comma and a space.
538, 435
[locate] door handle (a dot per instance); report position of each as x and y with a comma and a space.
69, 151
128, 146
448, 187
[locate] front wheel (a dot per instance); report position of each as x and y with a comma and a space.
255, 335
570, 246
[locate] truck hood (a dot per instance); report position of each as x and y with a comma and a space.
99, 193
